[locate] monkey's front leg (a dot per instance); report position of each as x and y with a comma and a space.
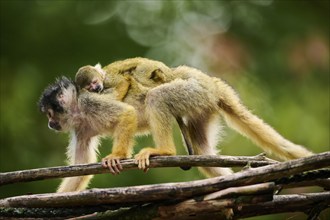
123, 139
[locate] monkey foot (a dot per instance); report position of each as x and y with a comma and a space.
142, 158
113, 163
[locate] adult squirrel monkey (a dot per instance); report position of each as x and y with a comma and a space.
195, 100
185, 94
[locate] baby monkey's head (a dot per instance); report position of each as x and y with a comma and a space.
90, 78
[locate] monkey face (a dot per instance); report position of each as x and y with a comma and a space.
96, 85
90, 78
55, 102
53, 120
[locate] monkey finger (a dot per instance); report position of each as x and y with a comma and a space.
104, 163
115, 166
141, 164
112, 171
120, 167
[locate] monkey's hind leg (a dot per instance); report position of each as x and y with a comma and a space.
204, 132
161, 129
172, 100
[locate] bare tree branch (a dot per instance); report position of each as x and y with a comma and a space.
285, 203
213, 203
259, 205
155, 162
170, 191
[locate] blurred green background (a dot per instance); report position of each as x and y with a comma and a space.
274, 52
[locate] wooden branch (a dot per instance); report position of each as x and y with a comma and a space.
212, 202
213, 209
308, 178
169, 191
279, 204
285, 203
155, 162
49, 213
247, 206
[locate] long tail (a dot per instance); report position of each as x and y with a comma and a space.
241, 119
71, 184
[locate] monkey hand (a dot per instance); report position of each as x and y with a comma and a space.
112, 161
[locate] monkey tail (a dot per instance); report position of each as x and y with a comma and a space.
241, 119
211, 171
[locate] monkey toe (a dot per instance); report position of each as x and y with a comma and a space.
113, 164
142, 159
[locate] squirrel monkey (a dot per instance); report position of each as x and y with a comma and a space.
87, 116
115, 76
95, 79
185, 94
195, 100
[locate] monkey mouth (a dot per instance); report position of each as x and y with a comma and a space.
99, 89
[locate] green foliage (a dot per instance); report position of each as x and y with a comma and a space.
275, 53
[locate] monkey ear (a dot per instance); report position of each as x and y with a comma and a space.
157, 75
98, 66
99, 69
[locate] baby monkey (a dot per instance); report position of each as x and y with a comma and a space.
116, 76
95, 79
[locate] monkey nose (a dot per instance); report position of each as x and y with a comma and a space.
54, 125
98, 88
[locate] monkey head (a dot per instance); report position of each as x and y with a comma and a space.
57, 101
90, 78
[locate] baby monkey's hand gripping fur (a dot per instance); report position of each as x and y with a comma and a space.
87, 116
195, 100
